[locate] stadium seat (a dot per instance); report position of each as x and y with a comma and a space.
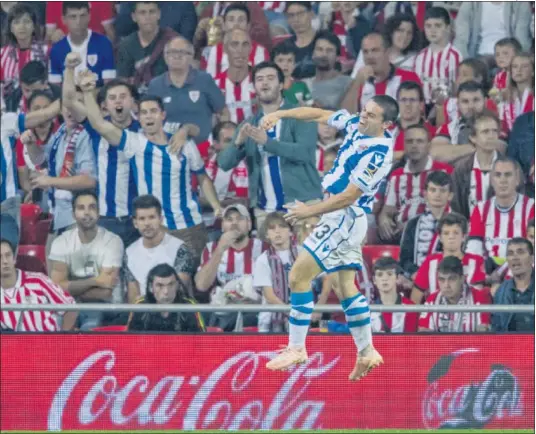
42, 228
372, 253
110, 328
29, 216
214, 330
250, 329
30, 212
31, 264
37, 251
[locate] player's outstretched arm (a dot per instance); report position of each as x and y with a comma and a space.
308, 114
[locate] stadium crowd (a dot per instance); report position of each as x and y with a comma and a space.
134, 168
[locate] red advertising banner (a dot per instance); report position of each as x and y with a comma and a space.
128, 382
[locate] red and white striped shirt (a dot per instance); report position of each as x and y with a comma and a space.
491, 229
234, 263
387, 87
397, 322
399, 135
480, 184
13, 59
405, 190
500, 81
230, 183
239, 97
426, 277
33, 288
451, 111
217, 60
272, 6
510, 111
437, 69
338, 28
456, 321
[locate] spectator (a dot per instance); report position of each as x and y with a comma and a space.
86, 260
227, 265
236, 16
521, 90
22, 46
157, 173
328, 138
155, 246
300, 19
281, 161
453, 290
101, 20
20, 287
452, 230
417, 10
329, 158
164, 286
530, 231
33, 76
178, 16
116, 180
386, 271
437, 64
235, 82
519, 290
295, 92
378, 76
504, 216
471, 177
420, 237
521, 147
189, 95
95, 49
405, 193
270, 273
328, 85
474, 34
140, 56
505, 50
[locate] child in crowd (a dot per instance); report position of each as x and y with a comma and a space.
295, 92
329, 158
505, 50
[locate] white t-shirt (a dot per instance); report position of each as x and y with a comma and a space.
82, 50
493, 27
85, 261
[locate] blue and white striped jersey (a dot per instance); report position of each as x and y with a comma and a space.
165, 176
271, 197
116, 186
12, 126
362, 160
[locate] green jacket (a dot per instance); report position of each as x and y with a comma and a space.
297, 151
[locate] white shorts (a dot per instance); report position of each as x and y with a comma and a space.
335, 242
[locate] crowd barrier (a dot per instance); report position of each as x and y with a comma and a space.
168, 381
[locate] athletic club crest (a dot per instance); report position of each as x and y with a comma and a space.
194, 95
92, 59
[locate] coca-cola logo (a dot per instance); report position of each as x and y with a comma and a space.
140, 403
474, 403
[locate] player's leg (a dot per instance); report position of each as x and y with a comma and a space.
357, 314
304, 270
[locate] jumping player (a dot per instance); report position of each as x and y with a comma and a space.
334, 246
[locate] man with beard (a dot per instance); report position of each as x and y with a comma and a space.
328, 86
117, 187
86, 259
281, 161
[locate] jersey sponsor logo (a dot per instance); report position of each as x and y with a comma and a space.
194, 95
92, 59
167, 100
374, 164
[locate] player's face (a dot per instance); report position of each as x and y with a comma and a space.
76, 21
530, 235
151, 117
371, 120
403, 35
119, 103
68, 116
236, 20
324, 55
411, 107
470, 104
86, 212
451, 238
504, 56
486, 134
504, 179
234, 221
416, 144
278, 235
519, 258
40, 103
165, 289
522, 69
146, 16
238, 46
225, 138
148, 221
437, 196
287, 63
436, 30
450, 285
7, 260
385, 280
267, 85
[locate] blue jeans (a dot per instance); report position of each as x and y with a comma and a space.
123, 227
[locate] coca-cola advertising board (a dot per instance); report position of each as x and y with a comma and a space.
128, 382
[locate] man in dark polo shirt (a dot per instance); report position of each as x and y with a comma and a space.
190, 96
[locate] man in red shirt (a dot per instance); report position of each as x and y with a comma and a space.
454, 291
452, 229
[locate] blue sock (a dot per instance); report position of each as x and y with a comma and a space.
300, 317
358, 317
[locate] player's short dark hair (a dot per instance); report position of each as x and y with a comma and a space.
152, 98
512, 42
451, 265
34, 71
17, 11
135, 5
451, 219
386, 263
237, 7
306, 5
44, 93
485, 115
389, 107
470, 86
520, 240
410, 85
9, 243
74, 5
530, 224
331, 38
268, 64
393, 23
439, 13
438, 177
146, 201
81, 193
220, 126
283, 48
116, 82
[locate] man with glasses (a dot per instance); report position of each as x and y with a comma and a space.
300, 19
190, 96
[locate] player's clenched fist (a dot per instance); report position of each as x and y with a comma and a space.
28, 138
269, 120
87, 81
72, 60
